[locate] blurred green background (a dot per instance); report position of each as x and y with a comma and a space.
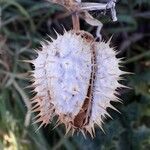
24, 23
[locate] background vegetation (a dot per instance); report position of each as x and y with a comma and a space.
26, 22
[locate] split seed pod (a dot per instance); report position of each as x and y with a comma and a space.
75, 78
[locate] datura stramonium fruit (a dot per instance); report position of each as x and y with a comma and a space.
75, 78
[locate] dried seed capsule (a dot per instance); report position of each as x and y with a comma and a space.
75, 79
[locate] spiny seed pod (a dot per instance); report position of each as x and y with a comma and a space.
75, 78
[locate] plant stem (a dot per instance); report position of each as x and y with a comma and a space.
75, 17
75, 21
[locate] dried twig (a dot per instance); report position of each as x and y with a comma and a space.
79, 8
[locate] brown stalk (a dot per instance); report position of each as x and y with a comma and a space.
75, 21
72, 7
75, 15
